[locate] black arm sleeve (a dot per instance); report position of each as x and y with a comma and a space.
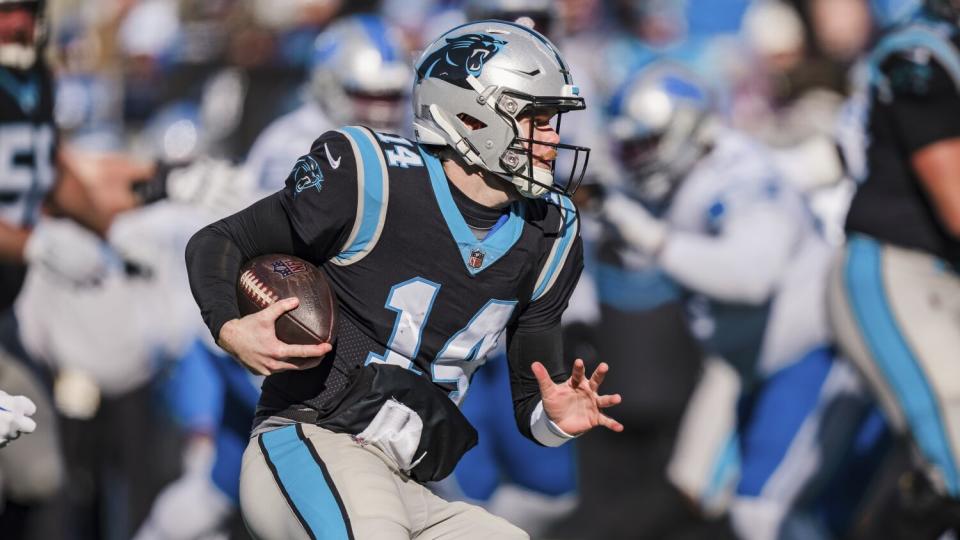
216, 253
523, 349
310, 218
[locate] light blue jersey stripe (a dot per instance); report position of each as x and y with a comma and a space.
864, 283
375, 196
561, 247
305, 484
494, 245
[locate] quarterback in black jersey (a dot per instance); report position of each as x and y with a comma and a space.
895, 294
437, 249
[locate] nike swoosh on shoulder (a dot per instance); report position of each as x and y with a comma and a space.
334, 163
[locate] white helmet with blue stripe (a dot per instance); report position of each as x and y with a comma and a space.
473, 85
361, 73
662, 123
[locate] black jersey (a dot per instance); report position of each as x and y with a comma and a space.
914, 101
27, 144
416, 288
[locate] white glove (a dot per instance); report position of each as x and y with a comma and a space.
215, 186
634, 223
68, 251
15, 412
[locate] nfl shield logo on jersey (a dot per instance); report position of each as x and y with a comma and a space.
476, 258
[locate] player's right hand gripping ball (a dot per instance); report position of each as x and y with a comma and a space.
270, 278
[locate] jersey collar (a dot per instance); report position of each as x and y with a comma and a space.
477, 255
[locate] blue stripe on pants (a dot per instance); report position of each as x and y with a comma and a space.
305, 483
868, 301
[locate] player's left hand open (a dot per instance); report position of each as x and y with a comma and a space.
575, 405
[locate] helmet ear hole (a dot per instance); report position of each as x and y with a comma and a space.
470, 122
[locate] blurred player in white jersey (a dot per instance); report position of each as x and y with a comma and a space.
707, 206
361, 74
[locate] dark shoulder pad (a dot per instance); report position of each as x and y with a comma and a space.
917, 74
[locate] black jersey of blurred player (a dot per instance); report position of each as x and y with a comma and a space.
27, 143
416, 287
914, 102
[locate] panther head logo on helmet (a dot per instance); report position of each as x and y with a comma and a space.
478, 96
462, 56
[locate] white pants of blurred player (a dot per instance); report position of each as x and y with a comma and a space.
301, 478
896, 313
769, 455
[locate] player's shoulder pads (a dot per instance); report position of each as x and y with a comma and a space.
373, 194
905, 60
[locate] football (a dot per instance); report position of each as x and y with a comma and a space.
270, 278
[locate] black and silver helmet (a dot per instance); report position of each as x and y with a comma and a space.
473, 85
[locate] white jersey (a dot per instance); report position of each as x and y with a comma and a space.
741, 236
283, 142
118, 331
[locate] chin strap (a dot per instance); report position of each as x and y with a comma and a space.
533, 190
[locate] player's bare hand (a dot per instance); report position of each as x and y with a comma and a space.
253, 341
575, 405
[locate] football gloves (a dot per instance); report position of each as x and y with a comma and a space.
15, 412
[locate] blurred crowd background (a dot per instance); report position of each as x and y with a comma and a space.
199, 80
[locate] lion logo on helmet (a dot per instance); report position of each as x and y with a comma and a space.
462, 56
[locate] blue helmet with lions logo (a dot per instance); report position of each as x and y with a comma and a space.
475, 83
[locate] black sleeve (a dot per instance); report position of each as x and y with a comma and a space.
216, 253
925, 101
545, 312
523, 349
311, 218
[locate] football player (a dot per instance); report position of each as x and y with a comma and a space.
704, 204
437, 249
360, 74
530, 485
895, 293
36, 177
